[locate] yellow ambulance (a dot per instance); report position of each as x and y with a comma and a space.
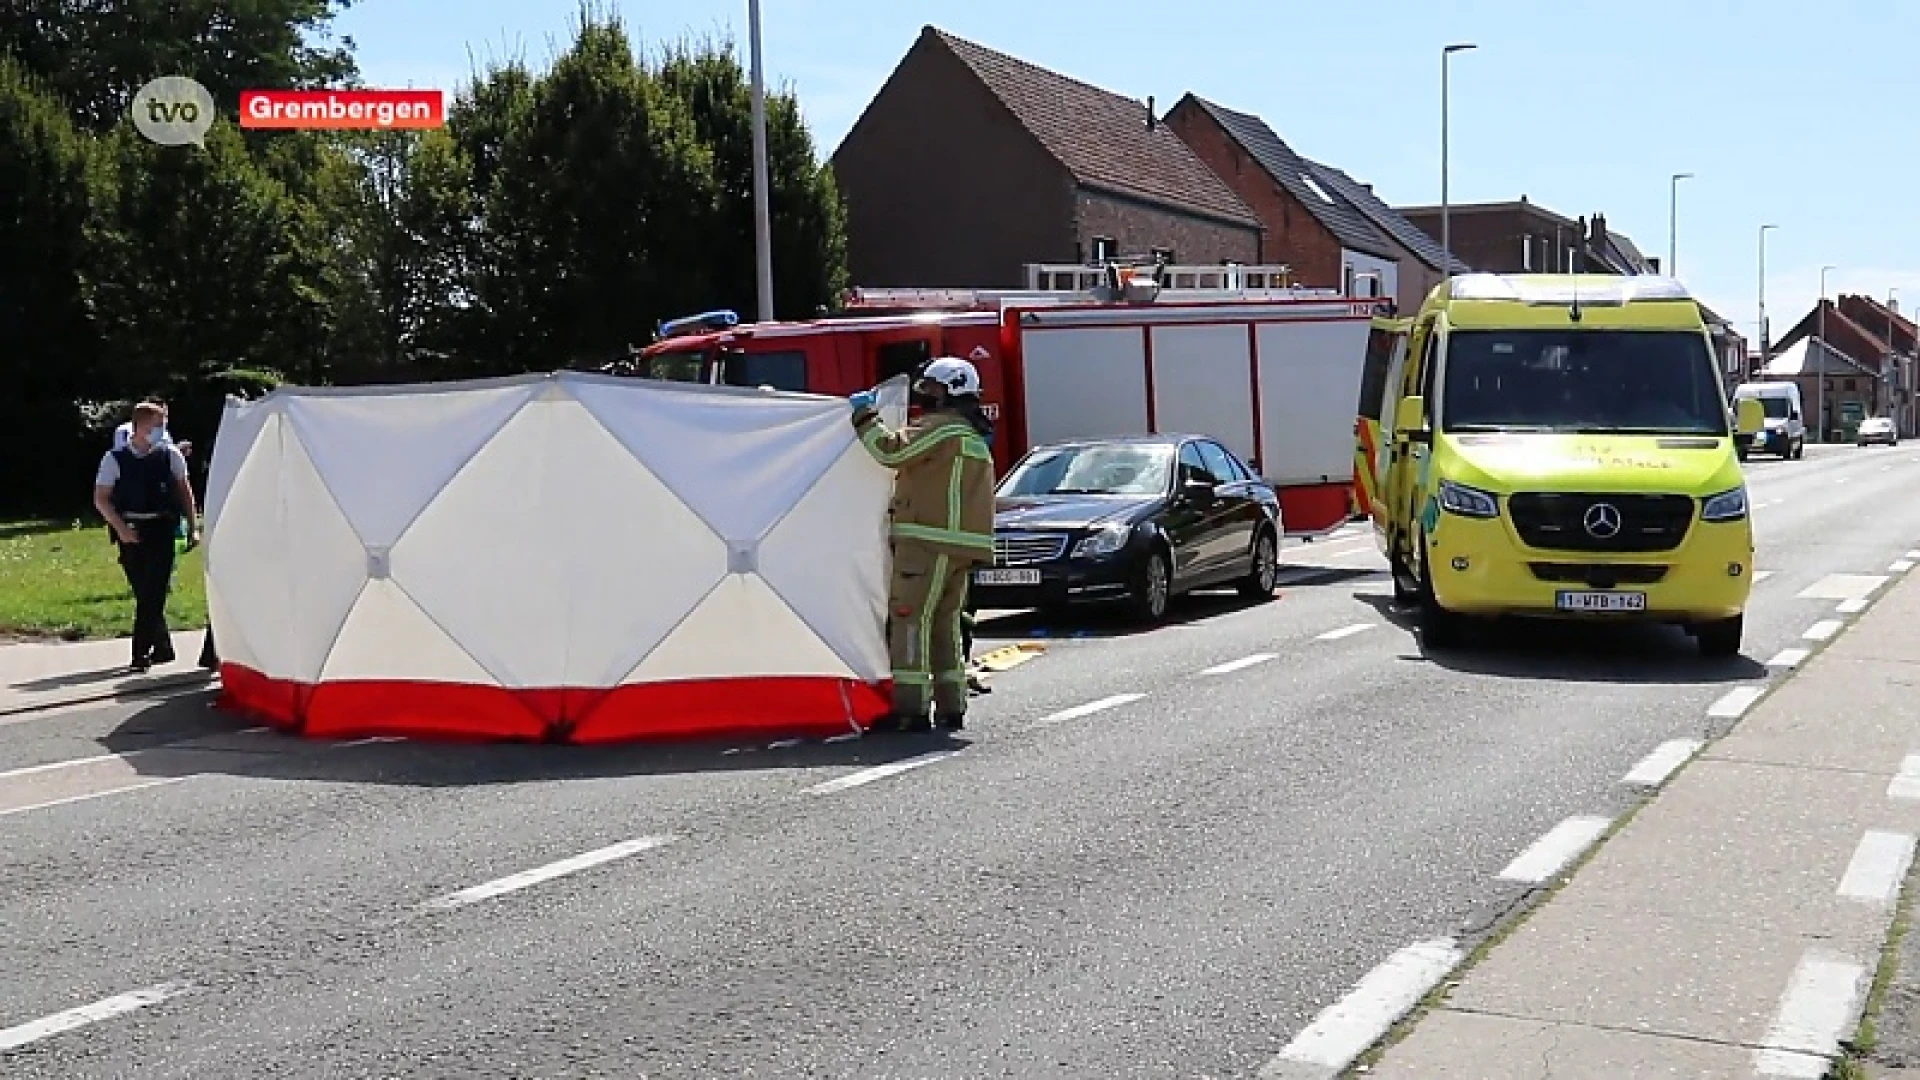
1560, 446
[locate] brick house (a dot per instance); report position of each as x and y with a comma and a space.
1422, 262
1855, 362
969, 164
1524, 237
1328, 243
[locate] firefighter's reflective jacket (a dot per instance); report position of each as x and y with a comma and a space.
943, 488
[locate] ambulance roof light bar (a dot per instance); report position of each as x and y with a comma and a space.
1591, 290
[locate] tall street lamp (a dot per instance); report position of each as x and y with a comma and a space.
1446, 214
1820, 333
1766, 339
1893, 357
1673, 222
762, 213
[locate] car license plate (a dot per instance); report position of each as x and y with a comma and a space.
1602, 601
1006, 577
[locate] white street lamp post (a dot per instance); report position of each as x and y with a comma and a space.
1446, 215
762, 212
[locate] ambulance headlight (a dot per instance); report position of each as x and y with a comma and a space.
1727, 506
1105, 540
1468, 501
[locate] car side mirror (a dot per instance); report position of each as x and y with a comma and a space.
1410, 419
1197, 492
1750, 416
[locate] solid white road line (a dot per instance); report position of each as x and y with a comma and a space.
1734, 703
523, 879
1900, 566
880, 772
1878, 867
1814, 1012
57, 765
1345, 1029
1654, 769
369, 741
1551, 853
121, 790
105, 1009
1239, 665
1344, 632
1088, 709
1823, 629
1906, 783
1788, 658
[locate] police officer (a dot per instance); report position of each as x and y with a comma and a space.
942, 528
141, 489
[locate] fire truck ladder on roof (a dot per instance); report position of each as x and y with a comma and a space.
1072, 283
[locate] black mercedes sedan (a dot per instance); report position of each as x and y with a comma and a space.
1133, 521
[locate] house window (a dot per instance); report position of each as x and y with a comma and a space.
1526, 254
1164, 255
1104, 249
1348, 291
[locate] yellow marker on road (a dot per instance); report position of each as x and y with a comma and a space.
1008, 656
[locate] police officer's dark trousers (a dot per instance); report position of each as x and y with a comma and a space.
149, 569
928, 591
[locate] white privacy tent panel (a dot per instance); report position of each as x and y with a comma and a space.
550, 556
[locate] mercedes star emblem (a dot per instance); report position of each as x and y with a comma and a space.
1602, 521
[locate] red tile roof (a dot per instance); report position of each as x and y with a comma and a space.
1102, 138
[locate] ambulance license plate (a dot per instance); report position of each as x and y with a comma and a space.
1601, 601
1006, 577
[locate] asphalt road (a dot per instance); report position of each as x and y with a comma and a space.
1150, 854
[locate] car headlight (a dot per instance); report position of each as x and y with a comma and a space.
1726, 506
1105, 540
1468, 501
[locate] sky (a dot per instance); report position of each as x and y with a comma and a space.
1790, 114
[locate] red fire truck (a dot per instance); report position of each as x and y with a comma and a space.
1226, 351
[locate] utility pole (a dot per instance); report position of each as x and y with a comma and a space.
1673, 223
762, 213
1446, 213
1820, 321
1766, 339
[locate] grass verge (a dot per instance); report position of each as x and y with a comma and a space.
61, 580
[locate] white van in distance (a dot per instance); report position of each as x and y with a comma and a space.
1785, 434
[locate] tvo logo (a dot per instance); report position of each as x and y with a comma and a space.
173, 111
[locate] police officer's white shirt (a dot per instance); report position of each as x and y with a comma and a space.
123, 436
109, 471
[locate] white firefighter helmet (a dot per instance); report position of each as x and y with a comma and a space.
957, 375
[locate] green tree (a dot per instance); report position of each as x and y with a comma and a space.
806, 218
49, 349
95, 53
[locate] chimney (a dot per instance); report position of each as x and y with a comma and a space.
1152, 120
1600, 230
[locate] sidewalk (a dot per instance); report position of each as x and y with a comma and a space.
35, 675
1734, 926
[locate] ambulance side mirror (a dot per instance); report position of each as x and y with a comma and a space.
1410, 419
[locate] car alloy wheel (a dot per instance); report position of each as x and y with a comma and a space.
1151, 595
1265, 574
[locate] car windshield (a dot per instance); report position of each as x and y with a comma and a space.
1627, 382
1774, 407
1092, 470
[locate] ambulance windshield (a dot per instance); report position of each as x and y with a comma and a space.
1611, 382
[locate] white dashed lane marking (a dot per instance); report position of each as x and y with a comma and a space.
1823, 629
1879, 865
1734, 703
105, 1009
1814, 1013
1788, 658
1088, 709
880, 772
1906, 782
1344, 632
1654, 769
1344, 1030
1900, 567
1239, 665
526, 878
1551, 853
1761, 575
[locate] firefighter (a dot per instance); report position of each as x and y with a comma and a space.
942, 528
